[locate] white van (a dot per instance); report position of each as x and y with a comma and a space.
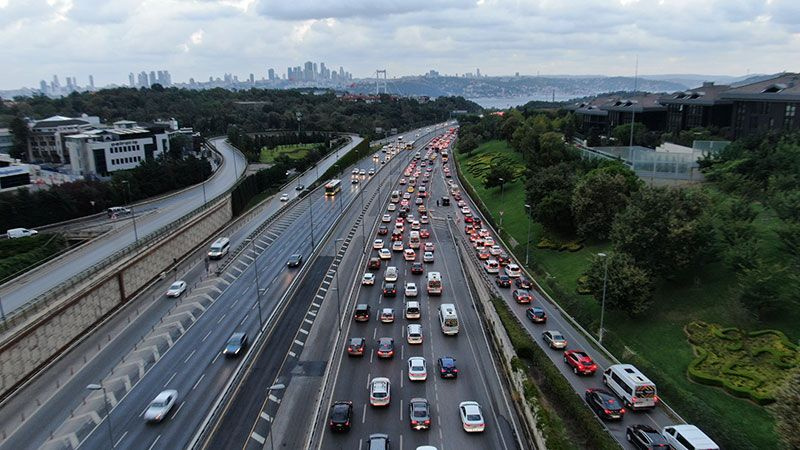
630, 385
688, 437
16, 233
116, 211
219, 248
492, 266
448, 319
412, 310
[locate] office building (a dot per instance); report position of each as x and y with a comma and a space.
271, 74
768, 105
46, 140
6, 141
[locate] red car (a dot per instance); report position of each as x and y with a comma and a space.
581, 363
424, 233
417, 268
383, 230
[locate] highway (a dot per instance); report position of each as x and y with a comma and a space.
656, 418
186, 335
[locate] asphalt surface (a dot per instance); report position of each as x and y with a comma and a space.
656, 418
151, 217
191, 365
477, 380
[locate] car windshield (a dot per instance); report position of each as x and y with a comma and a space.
419, 411
158, 404
175, 286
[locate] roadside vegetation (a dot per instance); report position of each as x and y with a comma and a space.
20, 254
724, 254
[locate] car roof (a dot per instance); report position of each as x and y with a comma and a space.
162, 396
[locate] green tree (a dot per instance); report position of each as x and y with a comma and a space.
512, 120
622, 133
786, 204
498, 175
786, 411
179, 143
549, 192
593, 139
629, 288
525, 140
467, 144
763, 289
20, 133
599, 196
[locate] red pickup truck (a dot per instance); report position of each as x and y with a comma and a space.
581, 363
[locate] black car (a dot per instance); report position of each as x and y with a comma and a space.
419, 414
503, 281
417, 268
604, 404
389, 290
362, 313
445, 201
645, 437
447, 367
236, 344
523, 283
385, 347
536, 315
341, 416
356, 346
295, 260
403, 212
299, 187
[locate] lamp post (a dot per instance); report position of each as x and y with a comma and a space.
258, 288
603, 302
100, 387
338, 299
311, 213
528, 241
133, 213
502, 192
274, 387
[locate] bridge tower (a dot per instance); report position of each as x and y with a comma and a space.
381, 82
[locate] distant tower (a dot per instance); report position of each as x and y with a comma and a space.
271, 74
381, 81
91, 82
131, 80
477, 73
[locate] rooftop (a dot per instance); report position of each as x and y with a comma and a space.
707, 94
781, 88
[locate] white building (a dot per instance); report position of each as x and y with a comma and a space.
46, 141
6, 141
103, 151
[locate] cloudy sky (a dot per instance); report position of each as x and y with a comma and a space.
199, 38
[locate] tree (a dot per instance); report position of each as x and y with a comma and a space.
20, 132
599, 196
179, 143
593, 140
789, 235
467, 143
786, 410
498, 175
549, 192
629, 288
763, 289
622, 133
525, 141
553, 150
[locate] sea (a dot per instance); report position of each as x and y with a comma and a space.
510, 102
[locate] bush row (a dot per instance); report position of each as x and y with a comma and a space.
48, 244
354, 155
266, 180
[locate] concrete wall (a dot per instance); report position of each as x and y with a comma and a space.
29, 351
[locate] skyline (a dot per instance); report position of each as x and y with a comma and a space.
207, 38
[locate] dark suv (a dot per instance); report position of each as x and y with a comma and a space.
341, 416
374, 264
362, 313
236, 344
447, 367
645, 437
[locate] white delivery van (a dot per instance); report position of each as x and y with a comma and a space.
219, 248
688, 437
15, 233
630, 385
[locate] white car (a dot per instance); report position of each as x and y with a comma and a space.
411, 290
397, 246
377, 244
494, 250
513, 271
161, 406
284, 197
430, 247
362, 172
417, 369
355, 172
380, 391
471, 417
384, 253
414, 333
492, 266
371, 172
392, 207
368, 279
176, 289
409, 254
465, 210
390, 274
386, 218
427, 257
424, 218
419, 201
415, 225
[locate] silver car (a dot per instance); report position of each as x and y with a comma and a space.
161, 406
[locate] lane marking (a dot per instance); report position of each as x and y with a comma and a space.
300, 343
177, 410
198, 381
154, 442
207, 335
170, 379
265, 416
257, 438
190, 356
121, 438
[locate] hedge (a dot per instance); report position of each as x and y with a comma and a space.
354, 155
39, 249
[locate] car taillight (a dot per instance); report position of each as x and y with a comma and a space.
634, 399
656, 399
455, 370
331, 423
607, 411
443, 371
347, 424
414, 422
622, 411
427, 422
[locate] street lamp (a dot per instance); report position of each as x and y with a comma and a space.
274, 387
311, 213
258, 288
528, 241
603, 302
133, 213
100, 387
502, 191
338, 300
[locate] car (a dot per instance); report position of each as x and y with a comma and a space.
377, 244
380, 391
410, 189
494, 249
354, 172
161, 406
427, 257
411, 289
383, 230
491, 266
371, 172
397, 246
554, 339
384, 253
646, 437
418, 201
447, 367
390, 274
419, 414
402, 181
299, 187
284, 197
503, 281
417, 369
354, 180
389, 290
362, 313
406, 196
356, 346
580, 362
386, 218
523, 283
391, 207
536, 315
414, 333
513, 271
236, 344
368, 279
385, 347
471, 417
465, 210
503, 259
415, 225
362, 172
378, 441
387, 315
483, 253
430, 247
488, 241
397, 235
409, 254
374, 264
424, 233
417, 268
176, 289
522, 296
295, 260
604, 404
341, 416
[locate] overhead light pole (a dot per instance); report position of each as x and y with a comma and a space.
274, 387
528, 241
133, 213
100, 387
258, 287
603, 302
338, 287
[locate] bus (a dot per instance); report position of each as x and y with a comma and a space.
434, 283
333, 187
448, 318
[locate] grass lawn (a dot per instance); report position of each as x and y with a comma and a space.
294, 151
708, 296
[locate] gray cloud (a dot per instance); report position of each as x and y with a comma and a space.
324, 9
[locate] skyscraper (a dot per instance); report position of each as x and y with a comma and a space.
43, 86
308, 72
252, 79
152, 78
91, 82
271, 74
131, 80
